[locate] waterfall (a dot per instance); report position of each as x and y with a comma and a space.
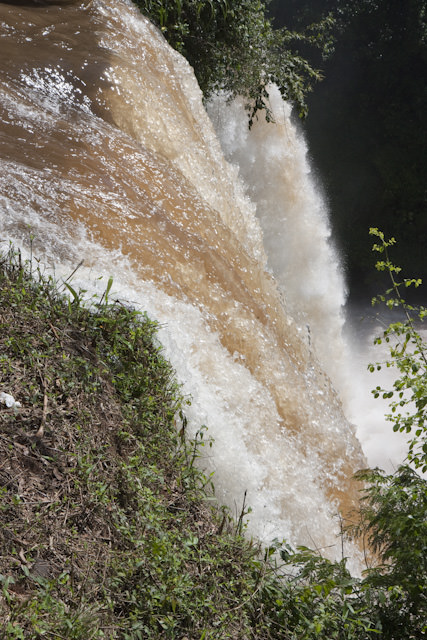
108, 156
272, 161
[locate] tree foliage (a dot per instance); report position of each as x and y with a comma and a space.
234, 47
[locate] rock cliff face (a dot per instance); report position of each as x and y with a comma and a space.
109, 158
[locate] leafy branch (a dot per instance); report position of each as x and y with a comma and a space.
408, 353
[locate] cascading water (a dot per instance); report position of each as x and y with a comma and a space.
272, 161
109, 157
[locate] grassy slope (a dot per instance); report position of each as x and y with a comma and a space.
106, 527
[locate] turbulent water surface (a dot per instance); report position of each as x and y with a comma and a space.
108, 156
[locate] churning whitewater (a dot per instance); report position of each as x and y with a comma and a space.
109, 157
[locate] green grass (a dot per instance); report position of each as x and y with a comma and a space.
108, 529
